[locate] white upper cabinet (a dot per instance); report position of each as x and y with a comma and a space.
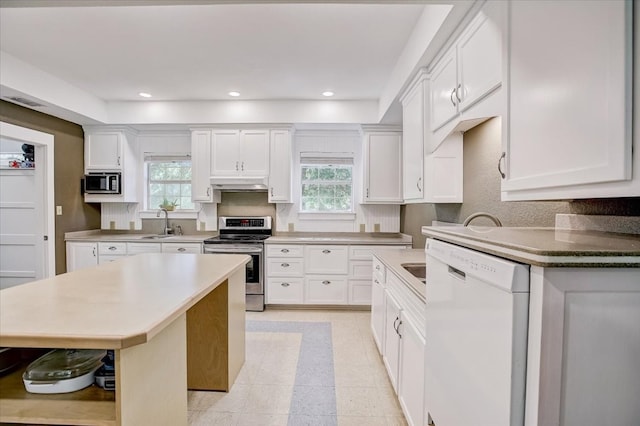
240, 153
470, 70
382, 168
280, 167
112, 149
414, 113
567, 133
201, 190
443, 171
103, 151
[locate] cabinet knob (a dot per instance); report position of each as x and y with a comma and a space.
504, 155
325, 251
284, 251
284, 265
326, 282
182, 249
285, 284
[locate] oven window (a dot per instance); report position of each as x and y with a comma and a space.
253, 269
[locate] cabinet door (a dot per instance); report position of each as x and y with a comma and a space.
413, 131
360, 292
445, 92
285, 291
569, 96
254, 153
103, 151
201, 166
280, 160
137, 248
225, 149
325, 290
326, 259
443, 172
81, 255
411, 376
383, 168
378, 312
391, 354
480, 56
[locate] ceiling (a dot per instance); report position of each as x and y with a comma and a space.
198, 51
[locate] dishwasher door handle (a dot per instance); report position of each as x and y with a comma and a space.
457, 273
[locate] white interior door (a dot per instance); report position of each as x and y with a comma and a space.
26, 210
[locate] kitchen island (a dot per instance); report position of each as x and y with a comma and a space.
174, 321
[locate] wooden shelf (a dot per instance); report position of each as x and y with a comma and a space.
89, 406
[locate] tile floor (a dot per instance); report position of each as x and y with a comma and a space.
304, 367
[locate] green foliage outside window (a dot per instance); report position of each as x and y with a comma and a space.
170, 180
326, 188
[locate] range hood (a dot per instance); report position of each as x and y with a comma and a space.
238, 183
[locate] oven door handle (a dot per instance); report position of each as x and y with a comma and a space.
232, 250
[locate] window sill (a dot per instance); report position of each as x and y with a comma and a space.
176, 214
326, 216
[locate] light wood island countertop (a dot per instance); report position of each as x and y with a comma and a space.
113, 306
175, 321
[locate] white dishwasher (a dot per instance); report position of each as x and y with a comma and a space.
476, 337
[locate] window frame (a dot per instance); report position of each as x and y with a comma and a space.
327, 160
165, 158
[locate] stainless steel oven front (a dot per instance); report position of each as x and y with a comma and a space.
254, 269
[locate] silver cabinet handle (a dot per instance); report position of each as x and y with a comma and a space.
94, 252
208, 191
451, 96
395, 323
284, 265
367, 192
182, 249
113, 248
504, 155
236, 166
284, 250
325, 282
119, 160
242, 167
377, 267
326, 251
457, 89
272, 191
418, 184
285, 284
376, 281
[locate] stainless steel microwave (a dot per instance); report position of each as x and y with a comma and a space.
102, 183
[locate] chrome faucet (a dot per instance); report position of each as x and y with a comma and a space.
482, 214
166, 230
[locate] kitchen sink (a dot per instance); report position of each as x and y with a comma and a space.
155, 237
418, 270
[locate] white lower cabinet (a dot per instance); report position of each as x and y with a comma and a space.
138, 248
397, 324
411, 372
182, 248
81, 255
318, 274
391, 352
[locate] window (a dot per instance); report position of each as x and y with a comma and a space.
326, 185
168, 181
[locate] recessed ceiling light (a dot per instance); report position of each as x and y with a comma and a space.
327, 93
145, 95
234, 94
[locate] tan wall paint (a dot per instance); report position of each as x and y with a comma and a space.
68, 170
246, 204
482, 148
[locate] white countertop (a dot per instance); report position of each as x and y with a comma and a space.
393, 260
381, 238
102, 236
549, 247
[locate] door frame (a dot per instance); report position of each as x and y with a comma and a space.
43, 144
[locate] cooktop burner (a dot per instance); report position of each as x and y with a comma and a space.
242, 229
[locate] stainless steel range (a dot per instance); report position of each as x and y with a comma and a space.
245, 235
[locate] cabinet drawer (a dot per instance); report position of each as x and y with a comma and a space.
326, 259
112, 248
285, 291
284, 267
365, 252
181, 248
106, 258
360, 292
379, 270
360, 269
326, 290
284, 250
137, 248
